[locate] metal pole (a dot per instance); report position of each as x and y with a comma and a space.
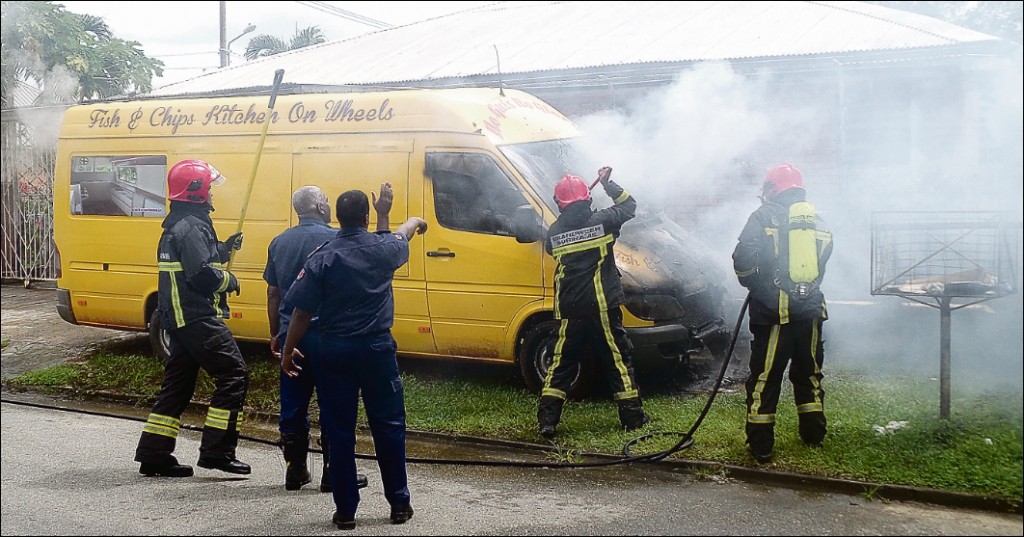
223, 33
944, 356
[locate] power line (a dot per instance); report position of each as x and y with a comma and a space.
324, 7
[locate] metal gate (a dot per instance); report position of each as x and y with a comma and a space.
28, 155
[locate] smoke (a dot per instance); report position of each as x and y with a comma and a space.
685, 148
60, 87
699, 148
56, 88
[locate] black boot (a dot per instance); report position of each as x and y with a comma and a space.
631, 414
165, 470
296, 448
761, 439
325, 478
549, 413
812, 428
226, 463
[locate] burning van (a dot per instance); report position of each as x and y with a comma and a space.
478, 164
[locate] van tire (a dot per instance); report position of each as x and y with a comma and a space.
159, 339
534, 361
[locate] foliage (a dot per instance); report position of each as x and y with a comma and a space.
978, 450
268, 45
71, 57
62, 375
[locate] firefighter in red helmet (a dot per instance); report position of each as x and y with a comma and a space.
780, 259
192, 305
588, 297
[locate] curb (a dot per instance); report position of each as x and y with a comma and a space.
884, 492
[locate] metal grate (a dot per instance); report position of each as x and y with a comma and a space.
26, 252
944, 254
971, 256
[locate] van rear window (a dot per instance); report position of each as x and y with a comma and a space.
119, 185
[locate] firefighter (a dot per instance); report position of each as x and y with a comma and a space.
780, 259
192, 304
285, 257
588, 299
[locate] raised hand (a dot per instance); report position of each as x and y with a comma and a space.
382, 203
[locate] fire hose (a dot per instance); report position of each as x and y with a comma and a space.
685, 442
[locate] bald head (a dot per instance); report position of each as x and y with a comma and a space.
310, 201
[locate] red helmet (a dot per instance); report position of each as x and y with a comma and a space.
780, 178
190, 180
570, 189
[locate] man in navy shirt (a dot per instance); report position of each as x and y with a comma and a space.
285, 257
348, 284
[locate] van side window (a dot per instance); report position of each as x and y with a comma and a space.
119, 185
471, 193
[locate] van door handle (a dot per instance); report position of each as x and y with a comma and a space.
441, 254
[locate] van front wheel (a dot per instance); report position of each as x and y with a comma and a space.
159, 339
535, 359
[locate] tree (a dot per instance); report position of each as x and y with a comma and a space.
70, 57
268, 45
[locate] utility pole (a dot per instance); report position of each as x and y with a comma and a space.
224, 33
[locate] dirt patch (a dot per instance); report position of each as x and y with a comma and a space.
35, 337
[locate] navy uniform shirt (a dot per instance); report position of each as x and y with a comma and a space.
348, 282
288, 253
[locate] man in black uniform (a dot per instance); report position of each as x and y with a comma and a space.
780, 259
285, 257
192, 301
588, 297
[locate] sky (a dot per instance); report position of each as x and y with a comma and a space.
186, 35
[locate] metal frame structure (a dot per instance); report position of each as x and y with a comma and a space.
944, 256
26, 252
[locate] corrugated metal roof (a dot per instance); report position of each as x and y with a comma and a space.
547, 36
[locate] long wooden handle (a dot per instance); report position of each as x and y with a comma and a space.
278, 76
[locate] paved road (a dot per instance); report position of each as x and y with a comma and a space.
72, 474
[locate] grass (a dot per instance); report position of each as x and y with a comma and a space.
978, 450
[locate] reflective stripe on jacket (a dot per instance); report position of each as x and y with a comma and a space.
193, 282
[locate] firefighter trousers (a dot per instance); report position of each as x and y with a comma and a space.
798, 345
605, 336
206, 344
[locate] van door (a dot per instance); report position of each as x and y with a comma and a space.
478, 276
364, 168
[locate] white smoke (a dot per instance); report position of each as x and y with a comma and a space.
699, 149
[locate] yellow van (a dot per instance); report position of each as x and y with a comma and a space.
478, 164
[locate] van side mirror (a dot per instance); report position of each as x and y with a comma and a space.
527, 225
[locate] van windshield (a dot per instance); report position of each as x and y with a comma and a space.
654, 253
543, 164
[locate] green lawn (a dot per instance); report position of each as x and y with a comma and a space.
978, 450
